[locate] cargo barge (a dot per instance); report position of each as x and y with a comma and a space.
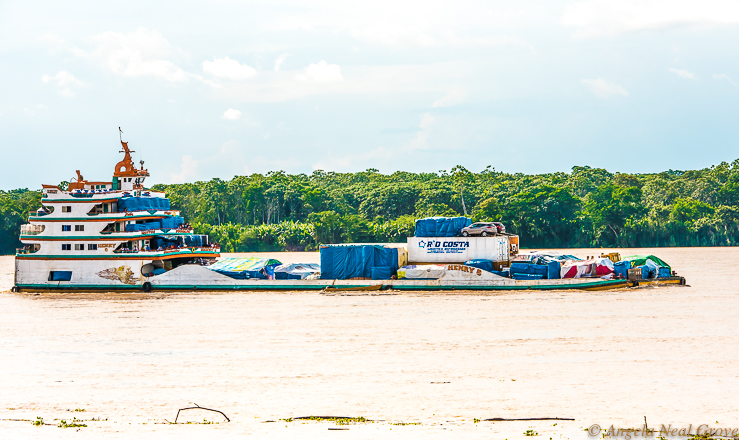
118, 235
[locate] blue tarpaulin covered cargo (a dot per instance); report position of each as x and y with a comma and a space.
645, 271
165, 241
245, 268
554, 268
621, 268
165, 223
172, 222
441, 226
480, 264
133, 227
383, 272
130, 204
528, 269
355, 261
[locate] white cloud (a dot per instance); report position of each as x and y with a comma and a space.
281, 86
188, 171
321, 72
138, 53
682, 73
604, 89
725, 77
281, 59
231, 114
64, 81
143, 52
608, 17
228, 68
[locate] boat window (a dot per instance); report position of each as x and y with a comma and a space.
60, 275
79, 228
66, 209
66, 247
66, 228
79, 247
92, 247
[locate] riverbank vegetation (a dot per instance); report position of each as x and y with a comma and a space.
588, 207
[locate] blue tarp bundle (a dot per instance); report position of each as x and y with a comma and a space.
383, 272
165, 223
621, 268
528, 269
480, 264
441, 226
143, 204
344, 262
645, 271
172, 222
664, 272
132, 227
164, 242
553, 270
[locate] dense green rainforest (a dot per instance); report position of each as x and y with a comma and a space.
588, 207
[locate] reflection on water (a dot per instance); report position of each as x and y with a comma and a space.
436, 358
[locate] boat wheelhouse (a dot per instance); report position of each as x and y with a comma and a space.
102, 234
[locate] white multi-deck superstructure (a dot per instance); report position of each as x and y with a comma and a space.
108, 234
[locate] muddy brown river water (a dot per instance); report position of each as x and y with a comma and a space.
419, 365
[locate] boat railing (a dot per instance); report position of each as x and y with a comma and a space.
27, 250
170, 250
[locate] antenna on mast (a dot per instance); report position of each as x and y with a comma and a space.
120, 134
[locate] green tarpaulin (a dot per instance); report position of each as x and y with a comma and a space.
639, 260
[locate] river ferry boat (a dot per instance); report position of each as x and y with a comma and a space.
118, 235
106, 234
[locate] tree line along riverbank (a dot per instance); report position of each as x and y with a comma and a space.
587, 207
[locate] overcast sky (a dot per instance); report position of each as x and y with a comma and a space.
221, 88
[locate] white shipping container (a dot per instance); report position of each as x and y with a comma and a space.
458, 249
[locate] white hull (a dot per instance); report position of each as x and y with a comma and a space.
120, 275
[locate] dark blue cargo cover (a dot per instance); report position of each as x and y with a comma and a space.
133, 227
480, 264
344, 262
383, 272
529, 269
621, 268
143, 204
441, 226
172, 222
